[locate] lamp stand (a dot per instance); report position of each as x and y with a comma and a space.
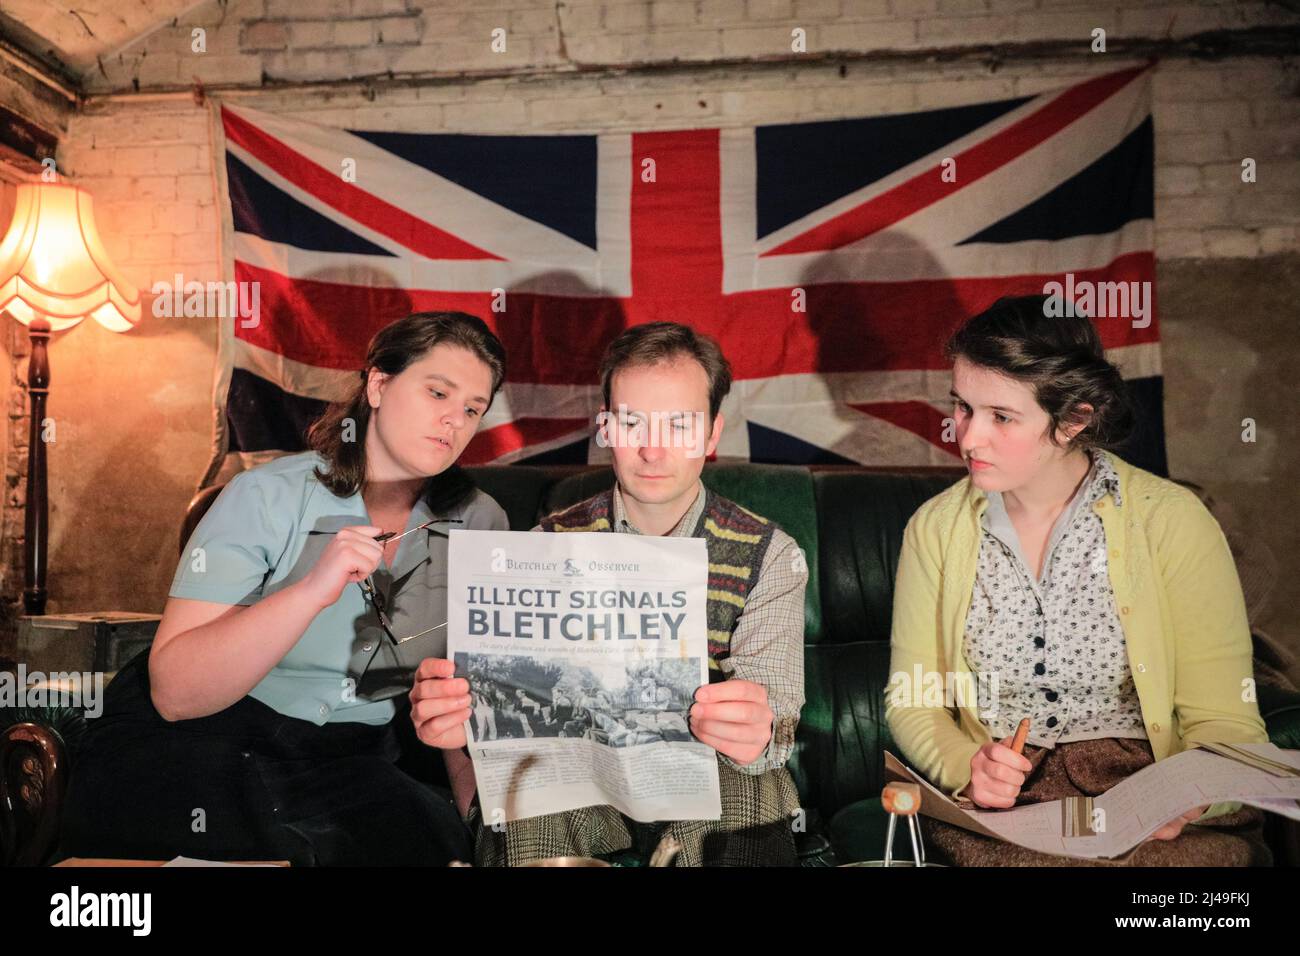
34, 548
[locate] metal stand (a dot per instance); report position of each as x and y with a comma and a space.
903, 800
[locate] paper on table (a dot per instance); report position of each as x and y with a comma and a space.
1133, 809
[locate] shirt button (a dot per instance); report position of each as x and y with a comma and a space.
1156, 728
1040, 669
1051, 696
323, 710
1051, 721
1039, 642
366, 646
1142, 668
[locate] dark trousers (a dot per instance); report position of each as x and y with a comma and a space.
249, 783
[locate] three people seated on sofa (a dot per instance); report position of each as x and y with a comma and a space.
261, 725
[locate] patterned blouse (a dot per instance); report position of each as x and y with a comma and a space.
1052, 649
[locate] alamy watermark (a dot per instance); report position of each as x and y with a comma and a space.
1099, 300
83, 690
208, 300
628, 429
948, 689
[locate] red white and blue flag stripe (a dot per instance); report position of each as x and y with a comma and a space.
729, 230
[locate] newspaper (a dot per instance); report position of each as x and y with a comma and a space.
1110, 825
583, 653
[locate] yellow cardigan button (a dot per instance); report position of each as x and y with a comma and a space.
1156, 728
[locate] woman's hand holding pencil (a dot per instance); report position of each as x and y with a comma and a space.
998, 771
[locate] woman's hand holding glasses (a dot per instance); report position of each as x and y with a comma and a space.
350, 557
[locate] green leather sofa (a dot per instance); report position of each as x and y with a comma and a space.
849, 521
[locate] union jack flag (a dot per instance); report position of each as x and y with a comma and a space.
830, 259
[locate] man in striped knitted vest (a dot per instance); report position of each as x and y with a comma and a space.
737, 539
663, 385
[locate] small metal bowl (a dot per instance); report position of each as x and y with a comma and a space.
567, 861
911, 863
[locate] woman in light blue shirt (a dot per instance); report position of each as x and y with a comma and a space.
260, 725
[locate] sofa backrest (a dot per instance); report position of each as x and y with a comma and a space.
861, 514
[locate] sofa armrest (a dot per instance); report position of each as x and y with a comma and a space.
33, 779
1280, 709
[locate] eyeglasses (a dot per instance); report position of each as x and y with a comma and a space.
376, 598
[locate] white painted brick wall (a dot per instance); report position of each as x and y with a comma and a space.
452, 36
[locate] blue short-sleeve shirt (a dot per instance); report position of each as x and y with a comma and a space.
266, 531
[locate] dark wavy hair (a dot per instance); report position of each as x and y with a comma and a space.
391, 350
1061, 359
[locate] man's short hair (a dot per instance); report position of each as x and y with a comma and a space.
656, 342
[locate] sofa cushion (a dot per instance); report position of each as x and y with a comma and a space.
861, 517
578, 485
519, 489
840, 744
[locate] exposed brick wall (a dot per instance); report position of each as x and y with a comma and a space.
13, 445
323, 39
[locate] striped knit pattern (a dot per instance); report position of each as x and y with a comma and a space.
736, 539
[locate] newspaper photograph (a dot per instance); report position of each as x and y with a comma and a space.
583, 652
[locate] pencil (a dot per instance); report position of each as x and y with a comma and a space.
1018, 745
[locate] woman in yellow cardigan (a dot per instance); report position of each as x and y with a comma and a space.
1064, 585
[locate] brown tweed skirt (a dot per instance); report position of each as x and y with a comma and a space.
756, 829
1090, 768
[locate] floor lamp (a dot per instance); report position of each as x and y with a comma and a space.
54, 271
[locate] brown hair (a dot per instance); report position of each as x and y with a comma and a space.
656, 342
391, 350
1060, 358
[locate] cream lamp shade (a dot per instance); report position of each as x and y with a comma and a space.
53, 265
